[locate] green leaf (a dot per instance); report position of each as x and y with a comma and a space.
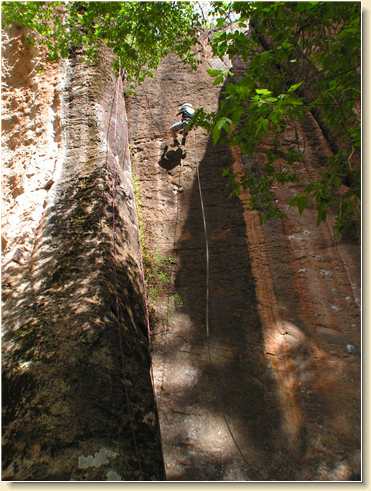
300, 200
293, 101
262, 126
294, 87
213, 72
321, 213
221, 123
263, 91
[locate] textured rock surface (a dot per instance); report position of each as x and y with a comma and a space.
284, 309
31, 142
273, 393
77, 396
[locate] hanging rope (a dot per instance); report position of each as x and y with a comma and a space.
207, 255
228, 426
207, 303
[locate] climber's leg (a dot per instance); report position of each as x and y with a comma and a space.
176, 128
163, 149
185, 133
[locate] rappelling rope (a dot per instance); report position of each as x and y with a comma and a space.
114, 195
207, 274
207, 255
207, 300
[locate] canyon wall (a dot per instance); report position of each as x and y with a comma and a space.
77, 399
268, 389
255, 393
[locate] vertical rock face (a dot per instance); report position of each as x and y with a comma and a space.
31, 142
274, 392
77, 394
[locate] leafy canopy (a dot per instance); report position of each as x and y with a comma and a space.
139, 33
298, 58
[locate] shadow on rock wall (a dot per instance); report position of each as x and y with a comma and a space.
235, 374
76, 379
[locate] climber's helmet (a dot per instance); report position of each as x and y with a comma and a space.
186, 105
186, 110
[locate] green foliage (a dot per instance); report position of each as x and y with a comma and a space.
220, 124
300, 200
300, 57
218, 75
140, 33
234, 184
157, 272
177, 300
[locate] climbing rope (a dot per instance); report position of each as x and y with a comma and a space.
207, 303
228, 426
207, 256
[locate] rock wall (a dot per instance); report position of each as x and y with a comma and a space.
78, 402
31, 142
256, 399
259, 398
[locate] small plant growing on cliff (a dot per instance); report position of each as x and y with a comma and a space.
178, 300
157, 267
157, 272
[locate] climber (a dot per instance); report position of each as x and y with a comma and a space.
187, 112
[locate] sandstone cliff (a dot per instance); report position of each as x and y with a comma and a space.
273, 393
77, 395
259, 398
